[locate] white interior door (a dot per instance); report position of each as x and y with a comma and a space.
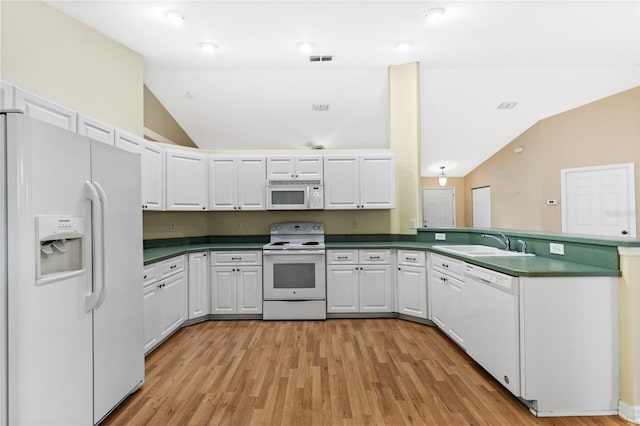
599, 200
481, 204
438, 207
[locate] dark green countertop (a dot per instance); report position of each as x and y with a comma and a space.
537, 266
155, 254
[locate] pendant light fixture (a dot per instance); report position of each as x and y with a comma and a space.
442, 179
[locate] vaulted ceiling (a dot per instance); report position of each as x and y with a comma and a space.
257, 90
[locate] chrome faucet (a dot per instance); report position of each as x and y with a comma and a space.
523, 246
504, 240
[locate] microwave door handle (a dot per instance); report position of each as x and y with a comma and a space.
307, 196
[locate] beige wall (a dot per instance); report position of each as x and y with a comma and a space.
603, 132
50, 53
193, 224
404, 126
158, 120
457, 183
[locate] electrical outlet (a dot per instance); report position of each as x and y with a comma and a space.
356, 224
556, 248
238, 225
173, 227
440, 236
413, 224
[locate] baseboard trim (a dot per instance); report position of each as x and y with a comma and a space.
630, 413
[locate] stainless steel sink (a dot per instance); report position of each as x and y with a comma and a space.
476, 250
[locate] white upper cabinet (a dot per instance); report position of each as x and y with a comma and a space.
341, 182
96, 130
222, 183
153, 193
152, 168
377, 181
129, 142
187, 187
43, 109
303, 167
236, 182
6, 95
360, 181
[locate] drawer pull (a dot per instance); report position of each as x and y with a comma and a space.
173, 266
412, 259
374, 257
342, 257
236, 258
444, 265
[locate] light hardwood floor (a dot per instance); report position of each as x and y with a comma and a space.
334, 372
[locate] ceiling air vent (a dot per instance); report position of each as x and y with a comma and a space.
320, 107
316, 58
507, 105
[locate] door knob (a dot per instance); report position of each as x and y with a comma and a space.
624, 232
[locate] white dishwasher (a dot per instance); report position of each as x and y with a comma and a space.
492, 329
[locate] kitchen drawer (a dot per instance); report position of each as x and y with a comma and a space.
375, 256
448, 266
411, 258
222, 258
171, 266
342, 257
150, 274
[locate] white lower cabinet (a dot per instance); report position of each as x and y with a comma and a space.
173, 303
164, 300
359, 281
569, 350
198, 285
236, 282
446, 294
411, 281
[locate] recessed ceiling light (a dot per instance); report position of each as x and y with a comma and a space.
305, 46
207, 47
174, 17
404, 46
433, 14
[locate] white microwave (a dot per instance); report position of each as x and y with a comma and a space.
295, 195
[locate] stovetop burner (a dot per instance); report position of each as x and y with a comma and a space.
296, 236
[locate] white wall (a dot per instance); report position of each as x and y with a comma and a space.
271, 109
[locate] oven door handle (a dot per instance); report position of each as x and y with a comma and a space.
291, 252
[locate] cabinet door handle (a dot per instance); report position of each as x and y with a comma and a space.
144, 278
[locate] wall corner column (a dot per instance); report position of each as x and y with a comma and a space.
629, 332
404, 129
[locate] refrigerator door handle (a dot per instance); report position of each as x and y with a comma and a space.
92, 298
103, 238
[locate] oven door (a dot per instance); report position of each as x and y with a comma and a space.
294, 275
287, 197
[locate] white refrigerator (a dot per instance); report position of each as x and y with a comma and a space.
71, 296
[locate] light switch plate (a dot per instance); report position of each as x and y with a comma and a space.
556, 248
441, 236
